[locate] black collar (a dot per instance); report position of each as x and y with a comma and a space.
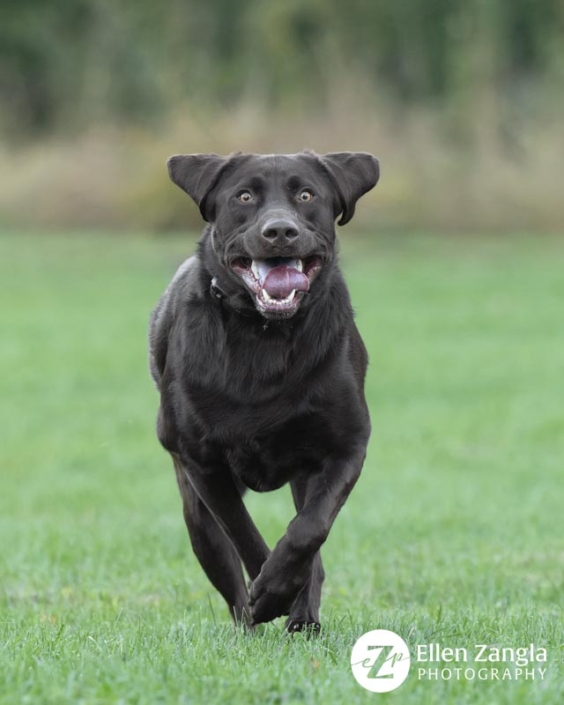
215, 291
222, 299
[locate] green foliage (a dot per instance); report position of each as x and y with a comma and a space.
452, 535
76, 63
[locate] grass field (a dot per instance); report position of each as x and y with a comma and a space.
454, 533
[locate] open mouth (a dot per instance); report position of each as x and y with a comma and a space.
278, 283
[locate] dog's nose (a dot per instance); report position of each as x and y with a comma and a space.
280, 231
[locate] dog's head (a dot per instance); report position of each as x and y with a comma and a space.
273, 216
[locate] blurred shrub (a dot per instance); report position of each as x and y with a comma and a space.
117, 178
72, 63
461, 99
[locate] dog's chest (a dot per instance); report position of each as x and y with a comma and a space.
264, 444
267, 464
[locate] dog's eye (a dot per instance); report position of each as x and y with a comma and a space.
305, 196
245, 197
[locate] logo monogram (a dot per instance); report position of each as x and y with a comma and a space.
380, 661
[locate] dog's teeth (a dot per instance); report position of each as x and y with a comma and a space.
255, 270
300, 266
277, 302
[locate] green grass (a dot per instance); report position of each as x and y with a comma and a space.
453, 534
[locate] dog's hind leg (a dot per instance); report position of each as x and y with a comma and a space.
304, 613
214, 550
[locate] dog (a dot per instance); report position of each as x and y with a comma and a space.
260, 369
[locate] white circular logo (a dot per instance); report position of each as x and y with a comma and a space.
380, 661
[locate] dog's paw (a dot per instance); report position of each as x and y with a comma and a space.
275, 590
267, 605
309, 627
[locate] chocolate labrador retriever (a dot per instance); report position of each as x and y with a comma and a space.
260, 369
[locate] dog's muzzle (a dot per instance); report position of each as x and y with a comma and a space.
278, 284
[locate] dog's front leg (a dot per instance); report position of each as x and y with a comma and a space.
288, 568
218, 492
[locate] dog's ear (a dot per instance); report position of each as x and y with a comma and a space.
197, 174
352, 174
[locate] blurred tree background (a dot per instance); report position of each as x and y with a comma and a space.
461, 99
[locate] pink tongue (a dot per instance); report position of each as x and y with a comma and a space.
281, 280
